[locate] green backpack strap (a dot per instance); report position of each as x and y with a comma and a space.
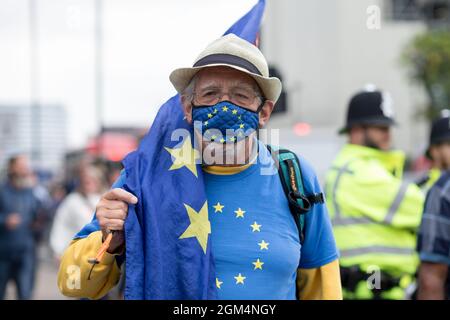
290, 173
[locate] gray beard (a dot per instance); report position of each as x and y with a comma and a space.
21, 183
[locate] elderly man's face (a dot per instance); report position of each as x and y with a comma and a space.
227, 80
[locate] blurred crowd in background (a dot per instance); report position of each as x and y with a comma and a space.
39, 218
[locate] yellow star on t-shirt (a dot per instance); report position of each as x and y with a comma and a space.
218, 207
239, 213
240, 279
200, 226
218, 283
263, 245
258, 264
185, 156
256, 227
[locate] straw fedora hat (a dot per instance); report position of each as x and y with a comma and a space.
234, 52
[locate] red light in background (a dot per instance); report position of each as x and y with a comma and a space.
302, 129
112, 146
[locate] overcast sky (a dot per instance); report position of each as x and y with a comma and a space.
144, 40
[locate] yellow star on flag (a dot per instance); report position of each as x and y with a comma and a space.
218, 207
241, 126
234, 112
210, 115
240, 279
255, 227
200, 226
185, 156
263, 245
258, 264
218, 283
239, 213
206, 123
225, 109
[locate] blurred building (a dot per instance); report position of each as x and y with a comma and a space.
105, 151
114, 143
39, 133
327, 50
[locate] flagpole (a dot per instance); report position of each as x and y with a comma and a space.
98, 45
35, 117
99, 84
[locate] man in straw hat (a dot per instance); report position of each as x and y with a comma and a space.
227, 95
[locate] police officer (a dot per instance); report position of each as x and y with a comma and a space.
438, 150
375, 215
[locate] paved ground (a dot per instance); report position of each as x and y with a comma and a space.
46, 287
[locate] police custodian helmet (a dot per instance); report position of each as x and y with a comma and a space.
369, 107
440, 130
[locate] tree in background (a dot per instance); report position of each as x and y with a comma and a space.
427, 57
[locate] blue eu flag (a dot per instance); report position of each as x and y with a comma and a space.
168, 253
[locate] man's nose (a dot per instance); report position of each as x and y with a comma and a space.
227, 95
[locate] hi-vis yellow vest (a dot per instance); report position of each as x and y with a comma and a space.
433, 176
375, 215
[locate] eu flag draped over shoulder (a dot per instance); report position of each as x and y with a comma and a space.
168, 253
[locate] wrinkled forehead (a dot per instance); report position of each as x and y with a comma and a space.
224, 77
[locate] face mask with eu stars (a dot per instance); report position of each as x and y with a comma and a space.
225, 121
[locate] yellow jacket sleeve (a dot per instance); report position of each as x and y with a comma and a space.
323, 283
74, 269
381, 196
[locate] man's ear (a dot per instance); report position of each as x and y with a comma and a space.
186, 103
356, 134
266, 111
433, 151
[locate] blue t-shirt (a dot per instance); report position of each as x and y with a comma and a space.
254, 238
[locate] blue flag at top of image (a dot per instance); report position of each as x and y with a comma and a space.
168, 253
